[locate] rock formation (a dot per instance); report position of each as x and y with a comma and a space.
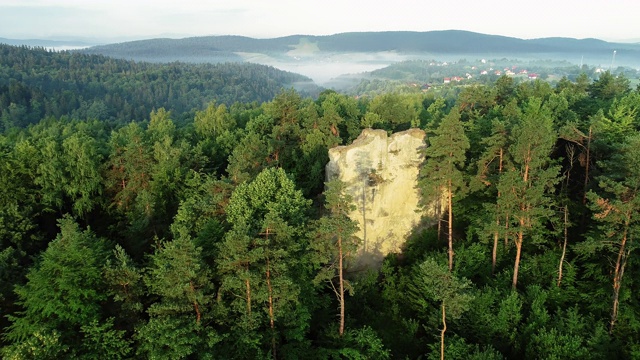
381, 173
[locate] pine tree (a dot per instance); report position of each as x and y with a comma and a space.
442, 174
62, 300
334, 243
527, 187
617, 210
259, 259
181, 320
491, 165
433, 283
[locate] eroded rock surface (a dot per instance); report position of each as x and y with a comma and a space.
381, 173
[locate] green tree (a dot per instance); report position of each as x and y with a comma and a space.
215, 129
433, 282
62, 300
129, 175
392, 112
82, 160
259, 259
493, 162
334, 243
124, 284
19, 195
181, 320
436, 112
526, 188
213, 121
249, 157
442, 173
617, 210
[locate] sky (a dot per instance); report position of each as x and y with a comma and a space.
123, 20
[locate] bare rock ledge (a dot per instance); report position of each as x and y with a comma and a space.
381, 174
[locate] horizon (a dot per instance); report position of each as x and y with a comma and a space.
92, 41
120, 21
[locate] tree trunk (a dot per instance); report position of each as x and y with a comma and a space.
248, 286
516, 266
341, 279
444, 329
195, 303
270, 302
564, 246
439, 214
496, 234
586, 170
494, 253
523, 221
621, 261
449, 203
506, 230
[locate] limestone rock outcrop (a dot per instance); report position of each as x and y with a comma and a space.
381, 174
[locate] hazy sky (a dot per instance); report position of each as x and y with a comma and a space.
123, 20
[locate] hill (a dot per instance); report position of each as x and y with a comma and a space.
408, 42
36, 83
324, 58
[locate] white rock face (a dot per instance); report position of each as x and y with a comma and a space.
381, 173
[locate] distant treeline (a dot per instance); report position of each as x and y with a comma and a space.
216, 48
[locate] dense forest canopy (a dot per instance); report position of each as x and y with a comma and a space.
36, 83
183, 230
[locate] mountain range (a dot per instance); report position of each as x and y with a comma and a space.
325, 57
404, 42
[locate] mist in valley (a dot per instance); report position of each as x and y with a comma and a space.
343, 70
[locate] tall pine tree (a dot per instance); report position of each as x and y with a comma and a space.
442, 175
526, 188
334, 242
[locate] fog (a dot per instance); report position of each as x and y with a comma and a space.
331, 70
324, 68
323, 73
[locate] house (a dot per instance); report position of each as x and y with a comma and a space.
533, 76
456, 78
447, 80
484, 72
498, 72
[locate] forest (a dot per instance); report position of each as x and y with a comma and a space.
36, 83
207, 229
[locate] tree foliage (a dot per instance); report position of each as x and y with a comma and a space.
145, 214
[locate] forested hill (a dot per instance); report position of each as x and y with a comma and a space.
36, 83
218, 48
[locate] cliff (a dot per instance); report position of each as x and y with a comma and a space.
381, 173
